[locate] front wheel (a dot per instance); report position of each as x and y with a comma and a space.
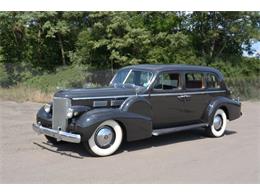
106, 139
218, 127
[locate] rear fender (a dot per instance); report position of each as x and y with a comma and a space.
231, 107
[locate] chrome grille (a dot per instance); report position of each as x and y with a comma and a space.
59, 112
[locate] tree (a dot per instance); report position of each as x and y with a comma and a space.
222, 34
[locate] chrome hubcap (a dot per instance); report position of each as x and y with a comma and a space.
105, 137
217, 122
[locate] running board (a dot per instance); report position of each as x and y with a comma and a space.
157, 132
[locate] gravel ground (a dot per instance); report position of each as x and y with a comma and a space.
184, 157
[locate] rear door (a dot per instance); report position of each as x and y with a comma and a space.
196, 99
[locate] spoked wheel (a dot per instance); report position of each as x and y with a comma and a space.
218, 127
105, 140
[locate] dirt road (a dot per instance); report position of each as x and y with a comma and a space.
184, 157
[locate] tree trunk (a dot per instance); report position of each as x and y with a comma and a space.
61, 49
39, 54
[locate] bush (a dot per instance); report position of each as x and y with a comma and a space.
3, 76
244, 87
245, 67
69, 77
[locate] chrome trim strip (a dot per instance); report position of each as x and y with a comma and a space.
187, 93
146, 95
99, 103
116, 102
102, 97
59, 135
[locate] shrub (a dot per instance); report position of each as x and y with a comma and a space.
244, 87
63, 78
3, 76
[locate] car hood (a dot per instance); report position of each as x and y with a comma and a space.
95, 92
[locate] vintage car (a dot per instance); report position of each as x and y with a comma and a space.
141, 101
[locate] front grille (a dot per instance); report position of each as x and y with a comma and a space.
59, 118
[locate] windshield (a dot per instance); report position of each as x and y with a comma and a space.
132, 77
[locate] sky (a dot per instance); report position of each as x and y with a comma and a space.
256, 47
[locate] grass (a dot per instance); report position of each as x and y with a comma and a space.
23, 93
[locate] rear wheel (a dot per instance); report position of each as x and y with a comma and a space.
106, 139
218, 127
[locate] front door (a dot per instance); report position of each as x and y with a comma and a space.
167, 103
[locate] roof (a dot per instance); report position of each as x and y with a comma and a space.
165, 67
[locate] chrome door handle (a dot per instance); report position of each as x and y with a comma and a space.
181, 96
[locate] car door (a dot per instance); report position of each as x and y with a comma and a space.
167, 105
196, 98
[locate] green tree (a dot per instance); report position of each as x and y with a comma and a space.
222, 35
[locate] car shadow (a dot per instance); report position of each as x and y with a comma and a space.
167, 139
77, 150
64, 149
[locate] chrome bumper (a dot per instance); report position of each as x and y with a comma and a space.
59, 135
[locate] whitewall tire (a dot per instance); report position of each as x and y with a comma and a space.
219, 124
106, 139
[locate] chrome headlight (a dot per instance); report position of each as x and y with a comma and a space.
70, 113
47, 108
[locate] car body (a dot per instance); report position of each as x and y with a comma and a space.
141, 101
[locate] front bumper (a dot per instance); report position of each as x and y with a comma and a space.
59, 135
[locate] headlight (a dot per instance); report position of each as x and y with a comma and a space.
70, 113
47, 108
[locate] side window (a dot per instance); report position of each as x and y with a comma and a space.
212, 81
145, 78
194, 80
168, 81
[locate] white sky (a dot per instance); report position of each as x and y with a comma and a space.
129, 5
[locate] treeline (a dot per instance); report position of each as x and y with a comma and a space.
34, 43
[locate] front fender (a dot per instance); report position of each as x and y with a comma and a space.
134, 125
44, 118
231, 107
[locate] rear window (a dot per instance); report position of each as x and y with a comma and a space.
194, 80
212, 81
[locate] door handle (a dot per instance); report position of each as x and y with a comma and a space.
181, 97
184, 97
187, 98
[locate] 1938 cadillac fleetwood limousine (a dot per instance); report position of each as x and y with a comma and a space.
141, 101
